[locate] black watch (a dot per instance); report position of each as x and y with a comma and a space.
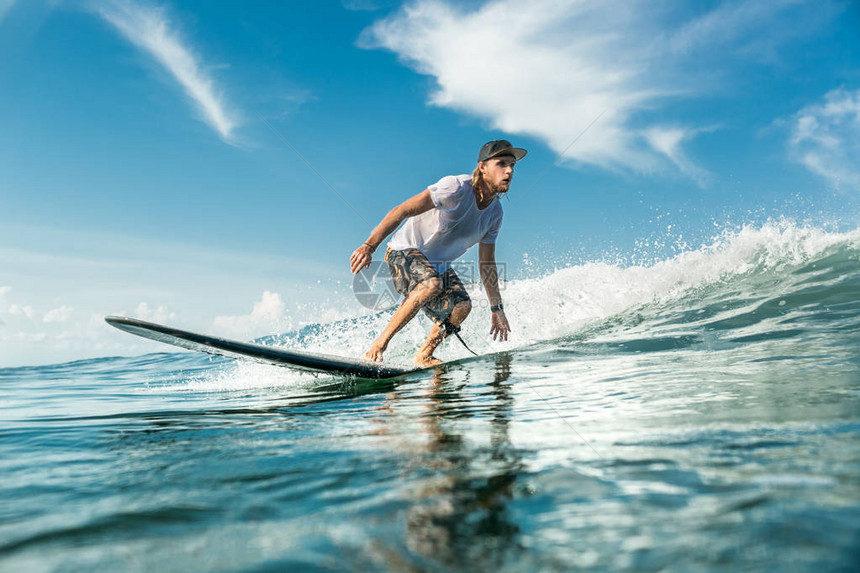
496, 307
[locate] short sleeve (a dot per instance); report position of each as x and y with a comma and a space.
447, 192
489, 237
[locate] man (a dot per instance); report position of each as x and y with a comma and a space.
442, 223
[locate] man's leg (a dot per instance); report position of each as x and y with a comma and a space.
424, 356
418, 297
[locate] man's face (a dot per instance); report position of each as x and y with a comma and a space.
498, 172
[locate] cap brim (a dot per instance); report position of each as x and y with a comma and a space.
517, 152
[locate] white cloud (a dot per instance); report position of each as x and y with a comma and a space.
17, 310
148, 28
101, 273
160, 314
60, 314
13, 309
548, 68
825, 138
265, 318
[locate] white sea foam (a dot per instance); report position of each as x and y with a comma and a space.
563, 302
240, 375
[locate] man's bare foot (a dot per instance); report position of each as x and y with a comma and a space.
374, 353
422, 361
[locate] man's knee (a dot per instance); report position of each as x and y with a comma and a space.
461, 311
430, 287
463, 307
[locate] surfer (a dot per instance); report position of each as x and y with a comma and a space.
442, 223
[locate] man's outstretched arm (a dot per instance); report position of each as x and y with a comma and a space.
416, 205
490, 278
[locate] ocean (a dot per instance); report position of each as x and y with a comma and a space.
700, 412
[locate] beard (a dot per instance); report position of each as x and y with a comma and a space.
501, 187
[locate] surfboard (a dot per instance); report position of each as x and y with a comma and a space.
297, 359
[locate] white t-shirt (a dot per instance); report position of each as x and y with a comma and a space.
443, 234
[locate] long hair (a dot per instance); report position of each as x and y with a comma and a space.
478, 180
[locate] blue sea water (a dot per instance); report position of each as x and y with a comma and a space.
698, 413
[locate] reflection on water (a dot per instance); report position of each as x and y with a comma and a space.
720, 388
723, 462
461, 515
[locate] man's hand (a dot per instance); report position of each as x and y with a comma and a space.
360, 258
500, 326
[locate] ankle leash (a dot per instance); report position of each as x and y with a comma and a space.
455, 330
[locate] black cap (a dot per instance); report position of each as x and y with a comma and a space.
500, 147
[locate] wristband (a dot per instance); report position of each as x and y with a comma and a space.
496, 307
372, 248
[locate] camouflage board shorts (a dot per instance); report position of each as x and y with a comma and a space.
410, 267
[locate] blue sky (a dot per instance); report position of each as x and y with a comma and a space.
213, 164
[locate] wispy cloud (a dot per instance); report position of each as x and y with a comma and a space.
547, 68
149, 28
825, 138
667, 140
738, 25
5, 6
